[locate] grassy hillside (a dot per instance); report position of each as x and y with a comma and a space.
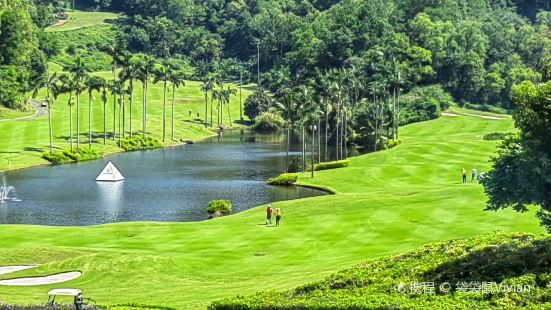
386, 203
445, 275
23, 142
81, 19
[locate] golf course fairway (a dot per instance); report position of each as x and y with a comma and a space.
385, 203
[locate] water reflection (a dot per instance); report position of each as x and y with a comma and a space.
110, 196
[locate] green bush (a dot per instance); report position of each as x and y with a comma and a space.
295, 164
268, 122
424, 103
257, 103
66, 156
138, 143
223, 206
496, 136
388, 144
332, 165
285, 179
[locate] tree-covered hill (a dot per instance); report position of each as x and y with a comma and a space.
476, 49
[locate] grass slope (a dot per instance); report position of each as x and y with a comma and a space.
23, 142
386, 203
6, 113
81, 19
511, 261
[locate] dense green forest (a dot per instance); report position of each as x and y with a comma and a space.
476, 49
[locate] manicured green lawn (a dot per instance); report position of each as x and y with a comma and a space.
22, 143
6, 113
81, 19
387, 203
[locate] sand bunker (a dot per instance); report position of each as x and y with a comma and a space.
10, 269
30, 281
476, 115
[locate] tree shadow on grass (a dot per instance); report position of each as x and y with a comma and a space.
496, 263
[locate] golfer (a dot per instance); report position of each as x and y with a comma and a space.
464, 172
269, 212
278, 215
473, 174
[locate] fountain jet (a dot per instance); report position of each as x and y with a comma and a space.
4, 192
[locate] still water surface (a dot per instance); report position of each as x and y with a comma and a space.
171, 184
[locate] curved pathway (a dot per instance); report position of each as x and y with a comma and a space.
40, 111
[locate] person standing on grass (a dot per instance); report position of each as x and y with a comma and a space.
278, 215
269, 212
473, 174
464, 172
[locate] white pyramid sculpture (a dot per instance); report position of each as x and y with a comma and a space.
110, 174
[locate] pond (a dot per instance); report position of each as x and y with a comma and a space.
171, 184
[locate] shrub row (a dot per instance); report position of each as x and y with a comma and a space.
285, 179
66, 156
137, 143
332, 165
391, 143
268, 122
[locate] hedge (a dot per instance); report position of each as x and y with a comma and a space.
285, 179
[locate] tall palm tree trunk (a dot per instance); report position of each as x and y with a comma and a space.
211, 109
172, 114
89, 120
164, 112
394, 113
206, 109
345, 122
313, 147
229, 114
104, 122
121, 98
50, 121
78, 120
326, 129
337, 137
144, 132
130, 98
71, 125
123, 107
288, 144
50, 127
114, 117
319, 140
303, 149
240, 98
397, 113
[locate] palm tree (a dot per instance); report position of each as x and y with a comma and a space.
118, 90
129, 73
288, 107
103, 85
395, 80
177, 78
146, 68
50, 84
79, 72
206, 87
226, 96
163, 74
93, 84
67, 86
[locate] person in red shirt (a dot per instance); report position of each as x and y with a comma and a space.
269, 212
